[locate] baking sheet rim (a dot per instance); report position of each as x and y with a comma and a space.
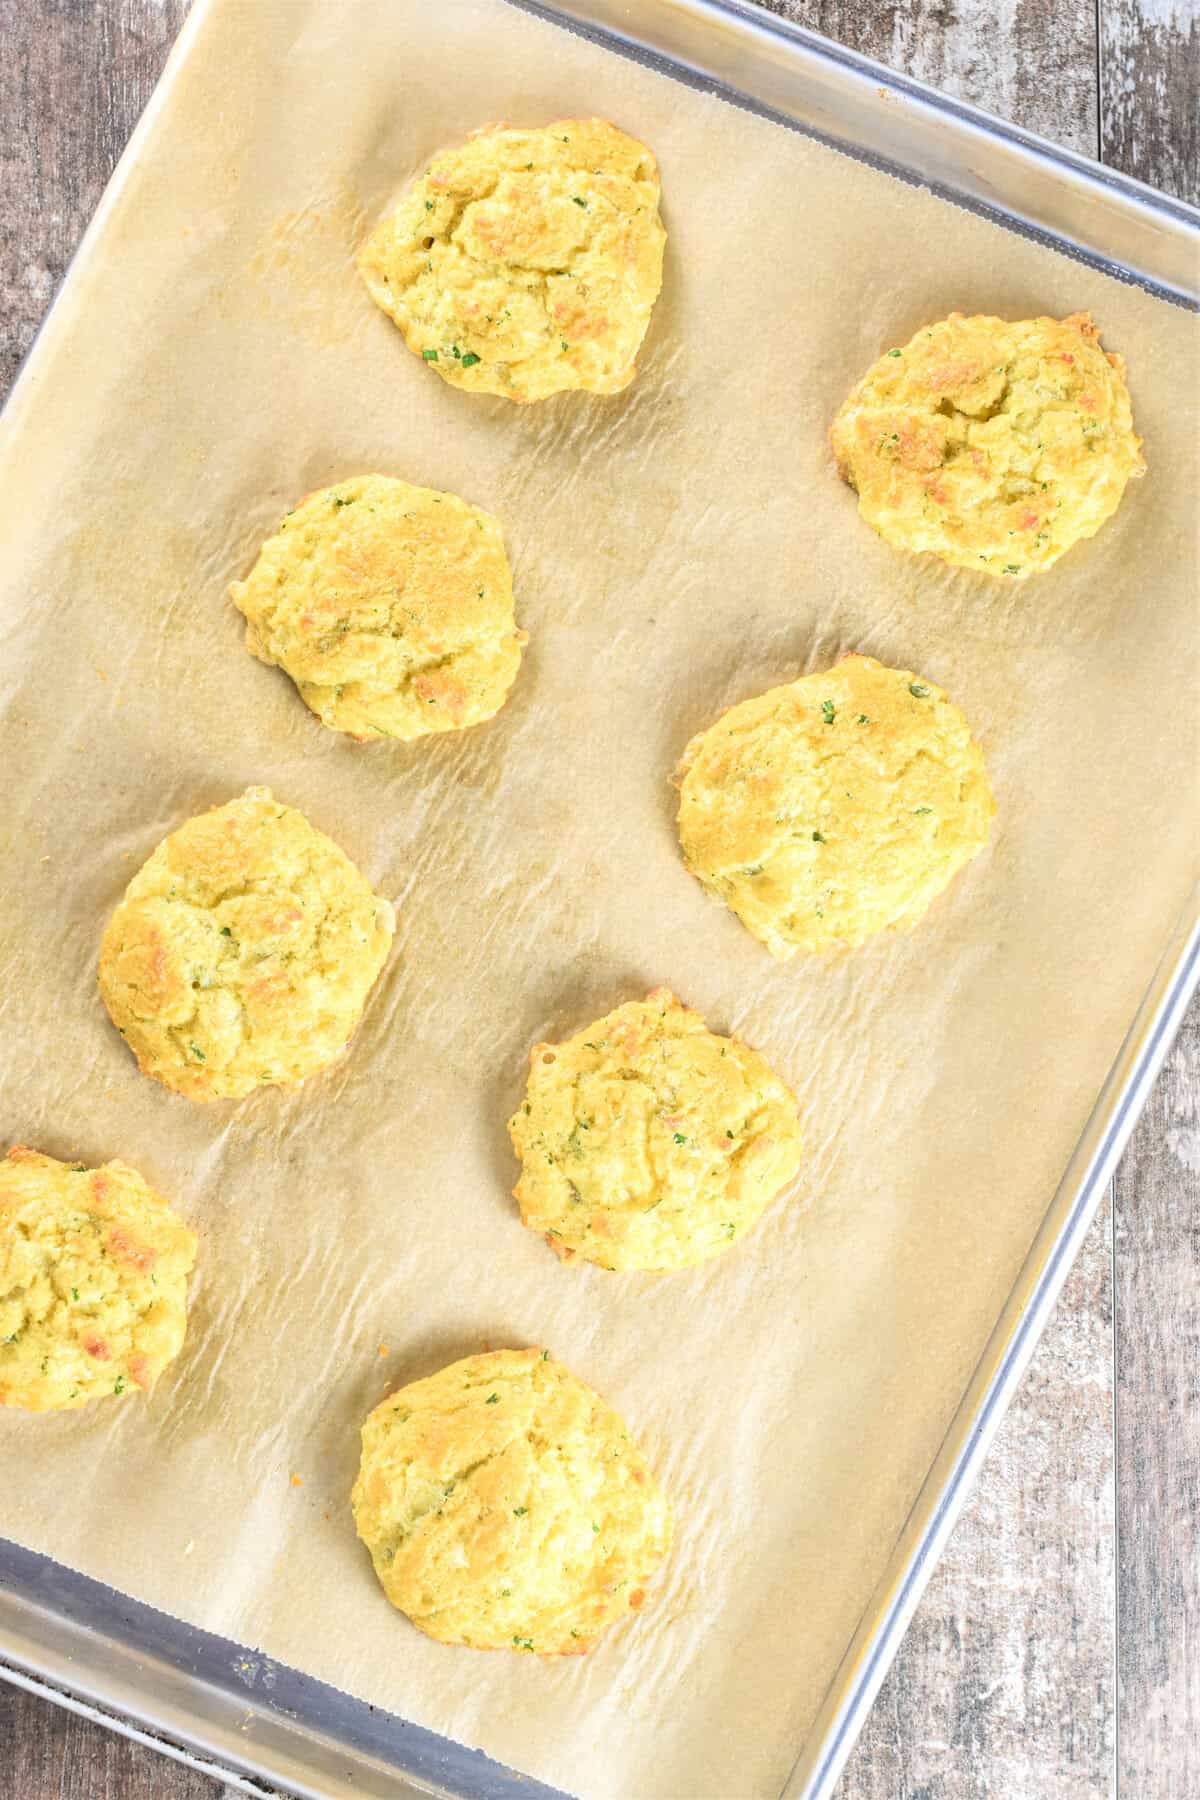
592, 20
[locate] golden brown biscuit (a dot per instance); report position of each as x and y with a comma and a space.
243, 951
837, 807
648, 1142
390, 607
995, 446
525, 262
94, 1268
505, 1507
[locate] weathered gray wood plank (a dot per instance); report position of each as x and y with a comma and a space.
74, 76
1157, 1307
1150, 92
49, 1754
1031, 61
1150, 126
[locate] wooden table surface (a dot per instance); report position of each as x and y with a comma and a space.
1056, 1654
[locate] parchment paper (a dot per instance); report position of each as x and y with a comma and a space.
675, 549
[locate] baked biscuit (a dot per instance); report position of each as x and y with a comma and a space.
94, 1268
525, 262
648, 1142
995, 446
243, 952
835, 808
505, 1507
390, 607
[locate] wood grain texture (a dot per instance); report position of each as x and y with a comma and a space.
1004, 1687
1031, 61
1157, 1310
74, 77
1149, 68
47, 1753
1150, 127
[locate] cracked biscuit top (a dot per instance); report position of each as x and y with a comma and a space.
525, 262
243, 951
94, 1268
835, 808
648, 1142
390, 607
995, 446
505, 1507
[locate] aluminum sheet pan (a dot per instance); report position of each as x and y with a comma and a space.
247, 1711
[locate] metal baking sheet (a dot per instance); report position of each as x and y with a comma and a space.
250, 1715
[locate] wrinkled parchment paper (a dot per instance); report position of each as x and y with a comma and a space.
675, 548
